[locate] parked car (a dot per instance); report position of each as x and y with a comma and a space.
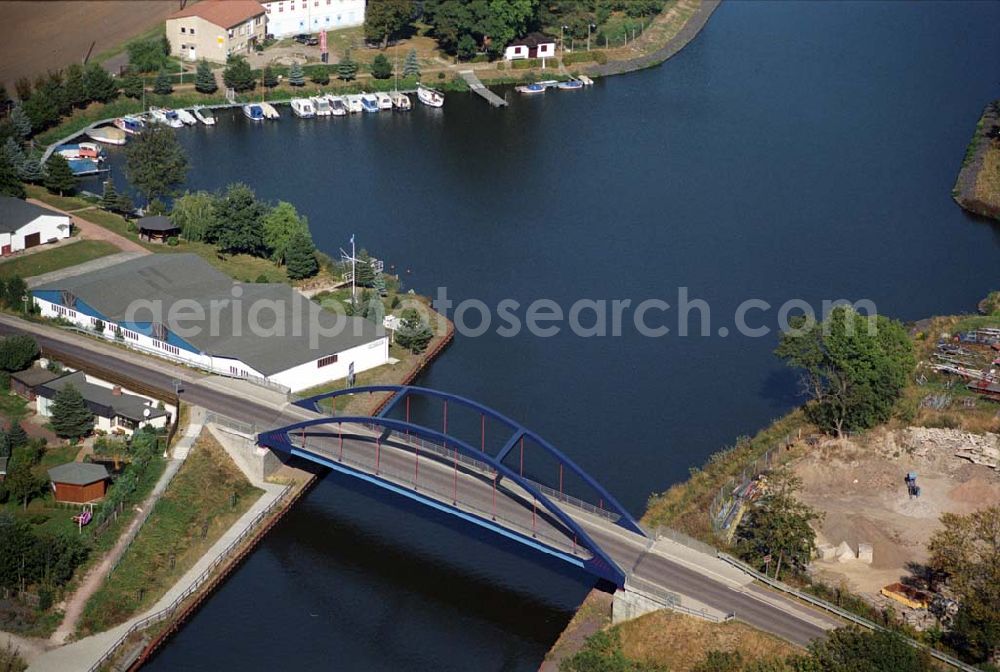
306, 39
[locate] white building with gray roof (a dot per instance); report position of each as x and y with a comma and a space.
179, 307
24, 225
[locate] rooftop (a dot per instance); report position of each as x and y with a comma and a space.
78, 473
36, 375
226, 328
101, 399
15, 213
223, 13
156, 223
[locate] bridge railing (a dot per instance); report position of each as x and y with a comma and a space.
670, 600
487, 469
410, 480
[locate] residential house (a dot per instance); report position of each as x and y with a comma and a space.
293, 17
115, 411
534, 45
216, 29
24, 225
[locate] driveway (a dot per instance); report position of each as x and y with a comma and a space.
92, 231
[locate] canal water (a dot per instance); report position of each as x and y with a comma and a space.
793, 151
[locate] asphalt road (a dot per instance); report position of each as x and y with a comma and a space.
398, 461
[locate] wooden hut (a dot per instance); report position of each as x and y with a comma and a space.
79, 482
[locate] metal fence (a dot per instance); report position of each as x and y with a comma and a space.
168, 611
670, 600
842, 613
728, 500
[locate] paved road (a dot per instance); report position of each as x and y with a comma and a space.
693, 575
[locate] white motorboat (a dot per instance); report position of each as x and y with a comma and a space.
587, 81
131, 125
369, 102
303, 107
253, 112
186, 117
400, 101
83, 150
570, 85
337, 106
166, 116
269, 111
430, 96
204, 115
354, 103
109, 135
321, 105
530, 88
384, 101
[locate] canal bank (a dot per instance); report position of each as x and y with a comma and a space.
977, 188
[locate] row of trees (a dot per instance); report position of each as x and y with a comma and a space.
58, 92
30, 558
237, 222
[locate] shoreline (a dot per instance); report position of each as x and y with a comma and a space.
964, 191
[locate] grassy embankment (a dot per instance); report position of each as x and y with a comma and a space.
239, 266
204, 499
69, 254
977, 188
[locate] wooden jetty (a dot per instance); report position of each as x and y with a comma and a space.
479, 88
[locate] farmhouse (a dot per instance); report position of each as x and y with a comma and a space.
115, 411
534, 45
179, 307
24, 225
216, 29
294, 17
79, 482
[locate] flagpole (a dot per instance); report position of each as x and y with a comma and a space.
354, 274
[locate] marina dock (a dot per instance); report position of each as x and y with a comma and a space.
479, 88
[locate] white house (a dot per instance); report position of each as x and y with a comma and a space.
534, 45
115, 410
294, 17
24, 225
179, 307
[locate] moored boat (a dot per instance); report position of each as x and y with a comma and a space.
303, 107
354, 103
83, 150
530, 88
570, 85
384, 101
204, 115
321, 105
82, 166
109, 135
587, 81
337, 106
369, 102
131, 125
166, 117
400, 101
269, 111
253, 112
430, 96
186, 117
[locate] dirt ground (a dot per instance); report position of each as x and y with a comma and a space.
38, 36
861, 491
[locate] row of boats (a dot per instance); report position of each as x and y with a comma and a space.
325, 105
568, 85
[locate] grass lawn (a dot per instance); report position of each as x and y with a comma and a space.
13, 408
64, 256
206, 497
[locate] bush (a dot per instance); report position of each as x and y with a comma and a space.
172, 241
525, 64
585, 57
4, 381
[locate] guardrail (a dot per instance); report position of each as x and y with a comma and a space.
169, 610
843, 613
670, 600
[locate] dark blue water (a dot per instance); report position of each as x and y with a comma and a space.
794, 150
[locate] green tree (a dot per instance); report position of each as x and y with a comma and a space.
204, 79
466, 48
411, 66
59, 177
295, 75
109, 197
154, 161
320, 76
163, 85
385, 19
75, 90
854, 650
778, 526
364, 274
31, 170
124, 204
11, 153
14, 291
300, 258
10, 181
15, 437
347, 68
71, 418
239, 222
42, 109
280, 226
268, 77
146, 55
18, 351
132, 86
381, 67
194, 213
966, 550
413, 333
99, 84
21, 481
20, 122
855, 367
238, 75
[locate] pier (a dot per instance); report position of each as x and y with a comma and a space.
479, 88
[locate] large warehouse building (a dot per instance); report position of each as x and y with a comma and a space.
177, 306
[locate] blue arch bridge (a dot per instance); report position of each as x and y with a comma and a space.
496, 484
